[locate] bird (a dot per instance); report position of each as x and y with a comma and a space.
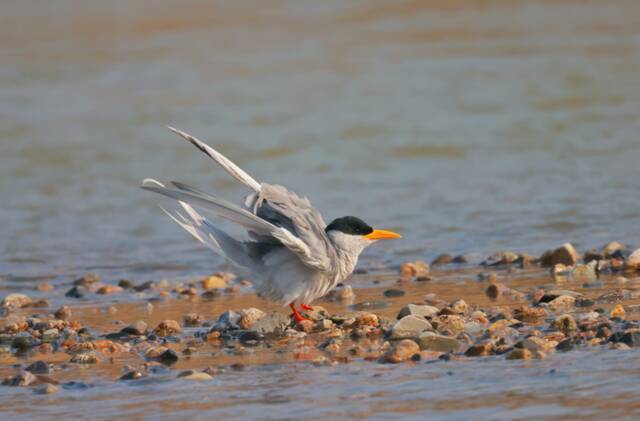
291, 255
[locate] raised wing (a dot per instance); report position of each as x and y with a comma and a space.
273, 215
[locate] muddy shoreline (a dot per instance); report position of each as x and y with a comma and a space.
107, 333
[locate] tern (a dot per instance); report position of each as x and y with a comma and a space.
292, 256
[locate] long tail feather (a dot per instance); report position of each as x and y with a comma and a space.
219, 207
224, 162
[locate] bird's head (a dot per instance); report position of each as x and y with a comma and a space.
353, 234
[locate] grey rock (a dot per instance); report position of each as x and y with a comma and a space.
425, 311
227, 321
627, 338
38, 367
23, 340
271, 324
409, 327
50, 335
434, 342
168, 357
393, 293
77, 291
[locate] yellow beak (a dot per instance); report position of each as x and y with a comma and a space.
382, 235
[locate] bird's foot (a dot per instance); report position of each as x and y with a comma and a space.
306, 307
297, 317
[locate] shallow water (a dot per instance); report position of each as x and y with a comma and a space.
469, 127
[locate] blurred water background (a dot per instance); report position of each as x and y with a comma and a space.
468, 126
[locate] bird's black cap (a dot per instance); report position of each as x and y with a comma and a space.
349, 225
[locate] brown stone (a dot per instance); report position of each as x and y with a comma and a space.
168, 327
530, 314
565, 254
478, 350
520, 354
413, 269
402, 351
109, 289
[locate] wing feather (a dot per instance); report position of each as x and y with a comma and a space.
224, 162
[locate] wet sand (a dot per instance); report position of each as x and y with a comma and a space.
245, 376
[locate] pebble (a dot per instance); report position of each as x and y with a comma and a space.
442, 259
214, 282
536, 344
168, 357
611, 248
565, 254
109, 289
566, 324
271, 324
618, 311
23, 341
413, 269
38, 367
125, 284
227, 321
530, 314
501, 258
167, 328
87, 280
132, 375
631, 339
45, 287
344, 294
402, 351
15, 301
77, 291
23, 378
520, 354
478, 350
434, 342
445, 323
496, 290
563, 302
193, 319
633, 261
459, 306
566, 345
137, 328
425, 311
393, 293
46, 389
490, 277
409, 327
585, 273
50, 335
249, 316
85, 358
63, 313
194, 375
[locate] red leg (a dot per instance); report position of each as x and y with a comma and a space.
296, 315
306, 307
